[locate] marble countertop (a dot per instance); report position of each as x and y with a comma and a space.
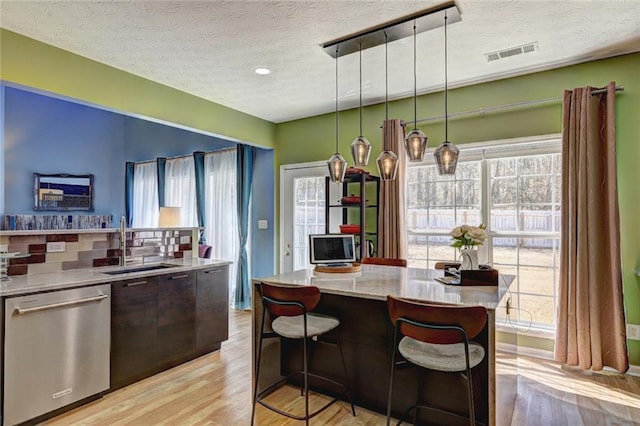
25, 284
376, 282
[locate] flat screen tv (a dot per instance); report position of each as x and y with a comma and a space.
331, 249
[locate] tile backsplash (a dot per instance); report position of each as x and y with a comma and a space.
94, 249
28, 222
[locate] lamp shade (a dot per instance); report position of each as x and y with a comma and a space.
387, 165
337, 167
446, 157
169, 217
360, 151
415, 144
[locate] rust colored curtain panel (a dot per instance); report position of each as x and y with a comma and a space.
392, 240
591, 325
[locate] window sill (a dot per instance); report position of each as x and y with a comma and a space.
541, 333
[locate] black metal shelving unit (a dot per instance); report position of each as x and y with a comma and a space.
357, 183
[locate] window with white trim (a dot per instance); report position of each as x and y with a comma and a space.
511, 186
309, 216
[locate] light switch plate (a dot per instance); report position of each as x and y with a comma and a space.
263, 224
633, 331
56, 247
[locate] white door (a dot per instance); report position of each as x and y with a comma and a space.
302, 211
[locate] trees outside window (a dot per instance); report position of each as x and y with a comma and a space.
514, 188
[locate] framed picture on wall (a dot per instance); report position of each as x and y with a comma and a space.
62, 192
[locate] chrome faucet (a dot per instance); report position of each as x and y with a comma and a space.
123, 242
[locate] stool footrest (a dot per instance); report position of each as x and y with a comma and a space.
437, 410
281, 382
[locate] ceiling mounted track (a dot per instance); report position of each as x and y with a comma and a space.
425, 20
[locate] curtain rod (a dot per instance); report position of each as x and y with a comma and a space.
604, 90
186, 155
482, 111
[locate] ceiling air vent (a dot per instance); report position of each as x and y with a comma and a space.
512, 51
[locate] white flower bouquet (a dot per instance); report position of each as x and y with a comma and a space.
466, 237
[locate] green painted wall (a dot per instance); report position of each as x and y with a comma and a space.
30, 63
313, 139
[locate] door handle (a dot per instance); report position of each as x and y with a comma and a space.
212, 271
22, 311
178, 277
135, 284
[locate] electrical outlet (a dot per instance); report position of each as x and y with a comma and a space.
56, 247
633, 331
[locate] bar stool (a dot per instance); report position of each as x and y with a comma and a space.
383, 261
436, 337
290, 311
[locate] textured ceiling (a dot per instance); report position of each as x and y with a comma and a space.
211, 48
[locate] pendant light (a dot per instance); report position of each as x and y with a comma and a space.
337, 164
387, 160
446, 155
416, 141
360, 147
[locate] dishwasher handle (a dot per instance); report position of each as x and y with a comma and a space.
23, 311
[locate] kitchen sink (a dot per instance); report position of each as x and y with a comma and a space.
128, 270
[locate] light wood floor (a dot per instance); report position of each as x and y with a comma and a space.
216, 390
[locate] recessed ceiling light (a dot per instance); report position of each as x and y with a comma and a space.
262, 71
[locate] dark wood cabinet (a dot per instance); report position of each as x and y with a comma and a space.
134, 328
161, 321
176, 317
212, 308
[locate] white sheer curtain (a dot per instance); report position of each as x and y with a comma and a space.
221, 227
145, 195
180, 188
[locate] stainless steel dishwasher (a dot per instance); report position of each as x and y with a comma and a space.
56, 350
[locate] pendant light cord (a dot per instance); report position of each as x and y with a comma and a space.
361, 87
337, 122
415, 80
446, 119
386, 78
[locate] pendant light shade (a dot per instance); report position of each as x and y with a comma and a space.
387, 165
446, 158
415, 144
337, 167
337, 164
416, 141
360, 151
387, 161
446, 155
360, 147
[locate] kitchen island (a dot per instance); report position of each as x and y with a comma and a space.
359, 301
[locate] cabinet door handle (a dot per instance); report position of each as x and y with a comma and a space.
135, 284
178, 277
212, 271
22, 311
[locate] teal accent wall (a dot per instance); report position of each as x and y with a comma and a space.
47, 135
